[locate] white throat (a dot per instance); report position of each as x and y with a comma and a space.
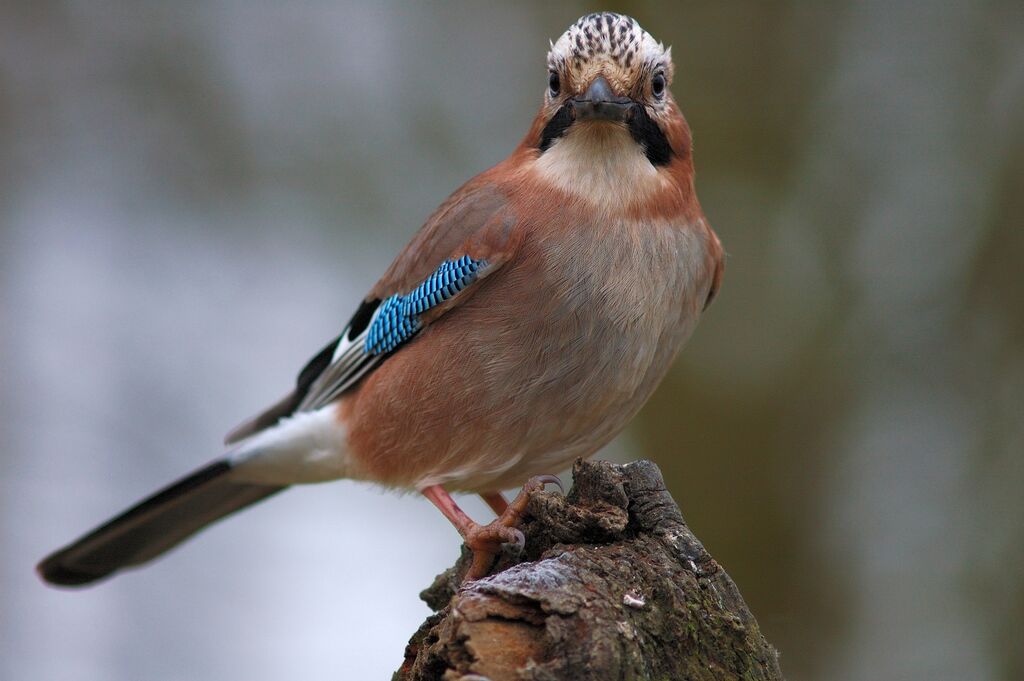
601, 164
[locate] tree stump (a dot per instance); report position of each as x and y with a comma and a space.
611, 585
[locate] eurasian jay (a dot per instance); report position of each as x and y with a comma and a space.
523, 326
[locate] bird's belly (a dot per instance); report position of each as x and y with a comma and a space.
600, 365
547, 362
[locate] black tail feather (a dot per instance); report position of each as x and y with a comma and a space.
153, 526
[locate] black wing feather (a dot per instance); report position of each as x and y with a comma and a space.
322, 379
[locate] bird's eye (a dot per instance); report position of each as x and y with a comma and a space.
553, 83
658, 85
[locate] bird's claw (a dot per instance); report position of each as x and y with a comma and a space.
541, 480
486, 541
517, 545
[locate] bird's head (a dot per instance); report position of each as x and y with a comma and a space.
607, 73
609, 129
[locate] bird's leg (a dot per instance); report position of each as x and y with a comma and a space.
485, 541
496, 500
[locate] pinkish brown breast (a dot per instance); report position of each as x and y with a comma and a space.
549, 359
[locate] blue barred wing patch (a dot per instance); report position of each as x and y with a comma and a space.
398, 318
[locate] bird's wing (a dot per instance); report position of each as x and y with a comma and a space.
469, 237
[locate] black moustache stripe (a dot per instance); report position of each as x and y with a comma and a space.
648, 135
644, 130
556, 127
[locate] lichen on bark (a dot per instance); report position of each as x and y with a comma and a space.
612, 584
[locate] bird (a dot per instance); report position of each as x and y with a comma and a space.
522, 327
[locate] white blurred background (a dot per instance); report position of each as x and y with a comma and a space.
193, 198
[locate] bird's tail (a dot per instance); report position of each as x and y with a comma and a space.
153, 525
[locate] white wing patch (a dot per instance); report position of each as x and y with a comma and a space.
348, 364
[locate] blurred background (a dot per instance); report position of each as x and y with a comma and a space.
194, 196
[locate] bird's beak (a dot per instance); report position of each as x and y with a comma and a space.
598, 103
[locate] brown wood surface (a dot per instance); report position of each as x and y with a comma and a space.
612, 585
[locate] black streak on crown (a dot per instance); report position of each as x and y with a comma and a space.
593, 29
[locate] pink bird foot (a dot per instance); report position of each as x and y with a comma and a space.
486, 541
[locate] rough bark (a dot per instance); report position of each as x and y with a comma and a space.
611, 585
